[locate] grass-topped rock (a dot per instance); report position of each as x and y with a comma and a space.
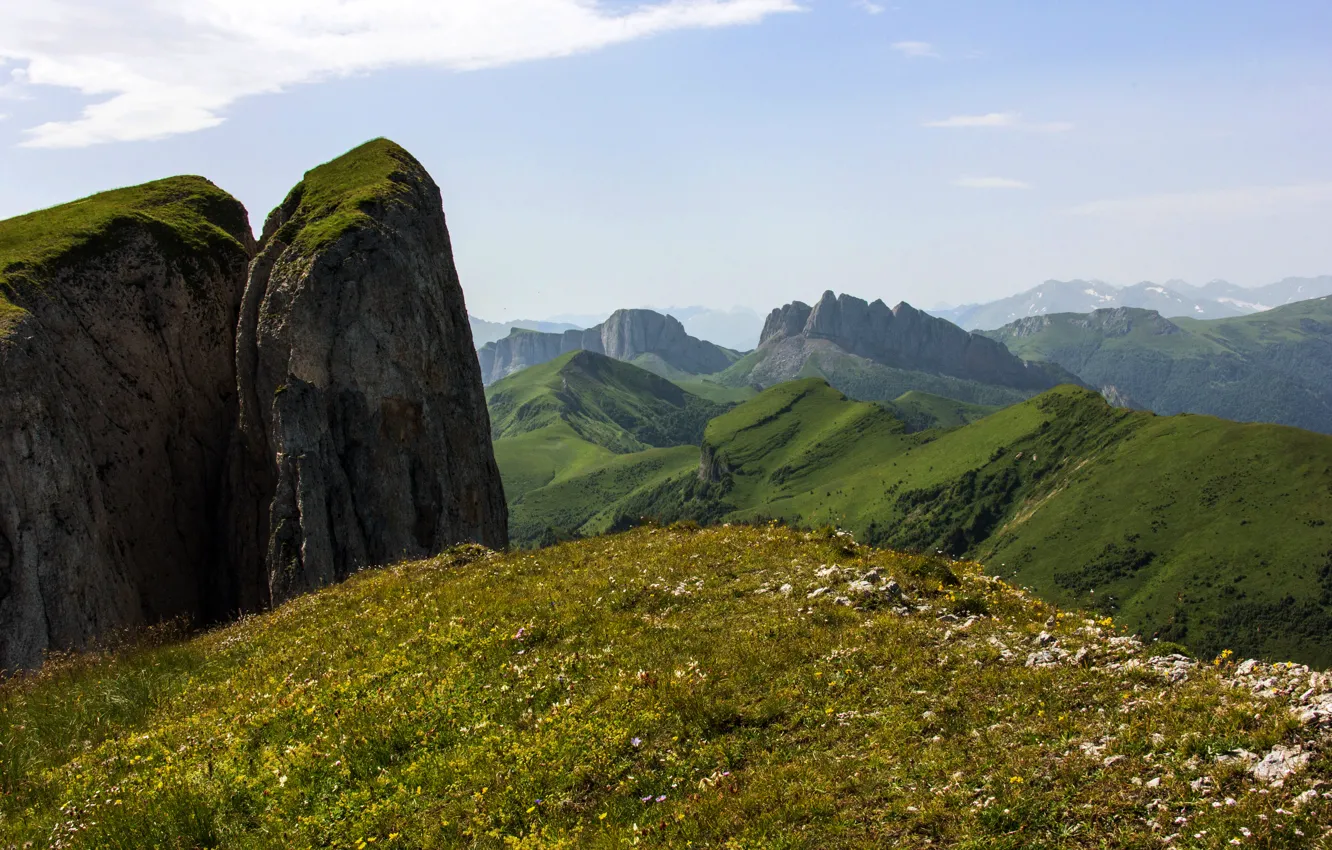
188, 218
117, 395
729, 687
344, 194
364, 435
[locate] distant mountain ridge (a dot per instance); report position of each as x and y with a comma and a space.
1274, 366
484, 331
1218, 299
629, 335
875, 353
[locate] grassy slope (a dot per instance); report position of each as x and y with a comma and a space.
1273, 366
700, 385
922, 411
1208, 532
188, 214
652, 689
331, 199
583, 431
870, 381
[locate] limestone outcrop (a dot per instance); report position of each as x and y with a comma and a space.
901, 337
627, 335
117, 398
363, 435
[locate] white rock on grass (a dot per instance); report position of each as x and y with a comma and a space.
1279, 764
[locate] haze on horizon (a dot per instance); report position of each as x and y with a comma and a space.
722, 152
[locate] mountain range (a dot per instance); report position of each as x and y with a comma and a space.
737, 328
1218, 299
1151, 519
875, 353
1274, 366
645, 337
484, 332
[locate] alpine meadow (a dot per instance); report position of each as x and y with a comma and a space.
735, 424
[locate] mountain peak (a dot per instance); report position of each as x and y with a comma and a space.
628, 334
903, 338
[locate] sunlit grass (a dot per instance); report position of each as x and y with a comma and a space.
662, 688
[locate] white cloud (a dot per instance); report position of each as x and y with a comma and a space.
1011, 120
990, 183
1242, 202
870, 7
915, 49
161, 67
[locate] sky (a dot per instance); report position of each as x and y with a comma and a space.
597, 155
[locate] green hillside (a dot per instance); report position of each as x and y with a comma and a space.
187, 214
1267, 367
576, 435
663, 688
610, 404
867, 380
1203, 531
922, 411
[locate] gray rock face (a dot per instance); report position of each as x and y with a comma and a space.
902, 337
521, 349
117, 399
364, 436
627, 334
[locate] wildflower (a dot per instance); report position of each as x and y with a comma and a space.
661, 799
636, 742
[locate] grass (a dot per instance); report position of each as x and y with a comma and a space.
922, 411
333, 198
1274, 366
188, 216
656, 689
583, 432
585, 501
1194, 529
700, 385
865, 379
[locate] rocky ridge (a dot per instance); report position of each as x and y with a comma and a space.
901, 337
626, 335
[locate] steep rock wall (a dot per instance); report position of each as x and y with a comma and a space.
117, 399
364, 436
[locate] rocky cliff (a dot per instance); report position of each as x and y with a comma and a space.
903, 338
117, 397
190, 430
626, 335
364, 436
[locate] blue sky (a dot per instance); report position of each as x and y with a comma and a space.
728, 153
